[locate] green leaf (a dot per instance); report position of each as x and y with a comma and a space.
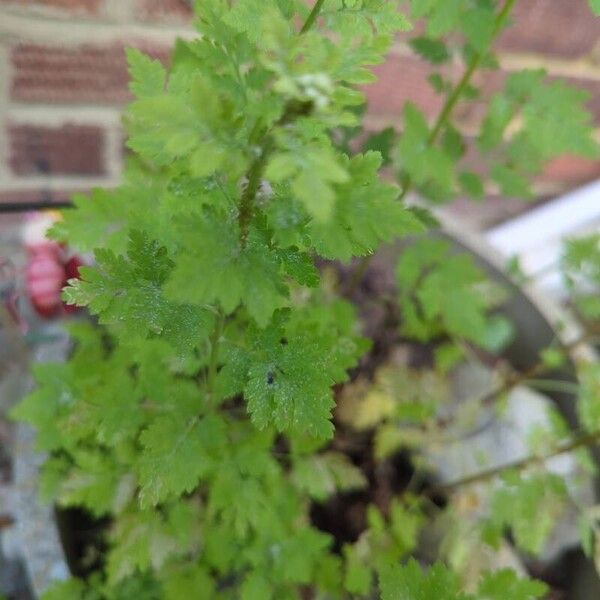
365, 19
358, 577
92, 483
453, 143
479, 26
300, 555
382, 142
214, 267
300, 266
505, 583
553, 358
585, 527
95, 220
499, 333
71, 589
595, 6
438, 83
435, 51
511, 183
472, 185
530, 506
292, 367
146, 540
499, 114
366, 213
147, 76
256, 587
256, 19
426, 164
442, 17
291, 389
46, 406
322, 475
410, 582
194, 580
440, 289
313, 170
177, 454
126, 292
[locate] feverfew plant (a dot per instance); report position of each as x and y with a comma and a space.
197, 416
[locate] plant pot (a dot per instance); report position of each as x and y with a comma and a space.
537, 323
36, 535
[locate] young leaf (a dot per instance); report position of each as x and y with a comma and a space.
216, 268
192, 579
147, 76
176, 455
322, 475
505, 583
126, 292
410, 582
530, 506
430, 49
366, 213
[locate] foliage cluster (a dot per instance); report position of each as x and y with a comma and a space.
198, 414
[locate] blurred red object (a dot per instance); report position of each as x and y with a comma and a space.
49, 267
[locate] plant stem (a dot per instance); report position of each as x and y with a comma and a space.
442, 121
246, 207
549, 385
584, 440
213, 361
532, 373
461, 86
312, 17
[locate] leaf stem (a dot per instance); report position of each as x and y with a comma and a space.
442, 121
584, 440
532, 373
246, 207
462, 85
213, 361
312, 17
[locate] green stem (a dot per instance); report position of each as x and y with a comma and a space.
528, 376
312, 17
213, 361
442, 119
584, 440
255, 173
462, 85
246, 207
549, 385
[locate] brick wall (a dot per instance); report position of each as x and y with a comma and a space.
63, 87
64, 83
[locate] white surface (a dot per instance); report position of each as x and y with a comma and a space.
537, 237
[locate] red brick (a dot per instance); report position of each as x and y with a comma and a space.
84, 74
402, 79
69, 6
572, 170
178, 11
565, 28
65, 150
